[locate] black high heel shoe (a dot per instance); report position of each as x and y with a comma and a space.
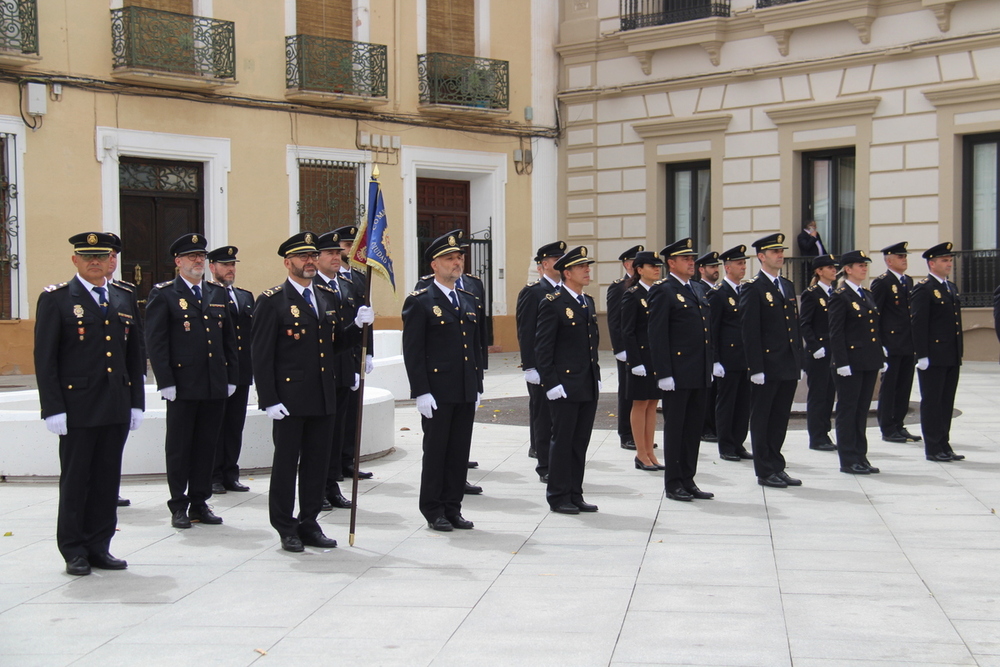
639, 465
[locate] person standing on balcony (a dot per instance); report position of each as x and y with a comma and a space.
616, 291
810, 242
814, 323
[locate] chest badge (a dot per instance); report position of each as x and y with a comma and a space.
937, 294
822, 302
77, 310
295, 311
855, 305
680, 297
732, 301
895, 290
183, 304
437, 311
643, 302
187, 325
769, 297
569, 313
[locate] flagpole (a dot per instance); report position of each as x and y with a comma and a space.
361, 407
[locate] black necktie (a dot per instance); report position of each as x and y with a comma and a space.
458, 283
777, 286
232, 302
103, 303
307, 295
691, 289
333, 286
454, 299
197, 291
583, 302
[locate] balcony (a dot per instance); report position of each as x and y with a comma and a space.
761, 4
158, 48
335, 72
463, 85
18, 32
644, 13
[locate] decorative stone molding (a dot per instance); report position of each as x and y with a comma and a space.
963, 93
716, 122
802, 113
780, 20
942, 12
709, 33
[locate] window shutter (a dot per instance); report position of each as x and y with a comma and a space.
451, 27
325, 18
179, 6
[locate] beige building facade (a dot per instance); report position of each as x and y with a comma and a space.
249, 121
878, 119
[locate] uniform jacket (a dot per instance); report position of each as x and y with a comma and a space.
936, 318
893, 302
616, 291
527, 319
191, 346
680, 334
474, 286
814, 319
809, 244
243, 322
294, 350
635, 327
347, 362
770, 323
441, 348
854, 331
566, 343
88, 364
727, 338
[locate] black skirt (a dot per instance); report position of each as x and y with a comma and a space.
642, 388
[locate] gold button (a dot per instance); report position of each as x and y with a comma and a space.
107, 338
106, 322
69, 386
873, 340
288, 379
109, 370
239, 338
206, 317
209, 342
321, 340
209, 355
108, 354
320, 355
240, 349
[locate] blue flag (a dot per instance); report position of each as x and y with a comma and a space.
371, 244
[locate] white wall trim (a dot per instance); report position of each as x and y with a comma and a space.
214, 152
20, 308
294, 153
487, 176
421, 26
482, 22
291, 18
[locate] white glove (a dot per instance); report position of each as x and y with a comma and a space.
844, 371
885, 351
923, 363
230, 389
600, 385
57, 424
757, 378
667, 384
556, 392
277, 412
622, 356
531, 376
885, 366
718, 371
135, 420
478, 397
365, 316
169, 393
639, 370
369, 364
802, 374
426, 405
357, 382
820, 353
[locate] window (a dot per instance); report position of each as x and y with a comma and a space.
979, 200
828, 196
329, 195
644, 13
8, 228
325, 18
451, 27
177, 6
689, 202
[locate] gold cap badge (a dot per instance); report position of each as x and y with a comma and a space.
92, 239
451, 240
230, 250
194, 239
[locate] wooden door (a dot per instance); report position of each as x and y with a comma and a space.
442, 205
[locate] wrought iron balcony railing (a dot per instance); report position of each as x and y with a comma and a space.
19, 26
977, 274
336, 66
463, 81
176, 43
774, 3
645, 13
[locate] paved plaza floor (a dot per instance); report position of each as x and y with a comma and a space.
901, 568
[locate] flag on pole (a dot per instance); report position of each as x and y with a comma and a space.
371, 244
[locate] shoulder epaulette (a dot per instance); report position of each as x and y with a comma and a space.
632, 288
474, 277
325, 288
884, 276
615, 282
552, 296
660, 281
274, 290
465, 291
427, 277
418, 292
242, 290
164, 285
214, 282
840, 290
753, 280
53, 288
534, 282
124, 283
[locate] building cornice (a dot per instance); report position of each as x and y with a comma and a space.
801, 113
716, 122
963, 93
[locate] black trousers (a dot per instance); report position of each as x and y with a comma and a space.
572, 425
339, 442
819, 401
90, 471
854, 399
732, 411
770, 408
683, 419
349, 419
624, 404
894, 393
937, 401
230, 442
447, 439
192, 431
540, 416
709, 427
301, 446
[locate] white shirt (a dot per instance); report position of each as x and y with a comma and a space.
570, 292
826, 288
552, 282
645, 285
447, 291
681, 280
301, 289
90, 288
736, 288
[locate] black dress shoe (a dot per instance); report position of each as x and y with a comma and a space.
940, 457
339, 478
77, 566
872, 469
180, 519
236, 486
441, 524
340, 501
566, 508
326, 506
460, 522
729, 457
585, 506
855, 469
628, 444
106, 562
472, 489
699, 494
292, 543
680, 494
894, 437
790, 481
544, 479
532, 454
349, 472
204, 515
218, 489
773, 481
655, 446
909, 436
317, 539
639, 465
745, 455
824, 447
123, 502
956, 457
709, 437
473, 464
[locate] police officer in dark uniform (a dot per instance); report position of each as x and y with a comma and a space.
681, 340
706, 270
936, 318
191, 342
442, 354
527, 320
732, 402
814, 323
89, 370
891, 291
858, 357
566, 344
616, 291
773, 348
